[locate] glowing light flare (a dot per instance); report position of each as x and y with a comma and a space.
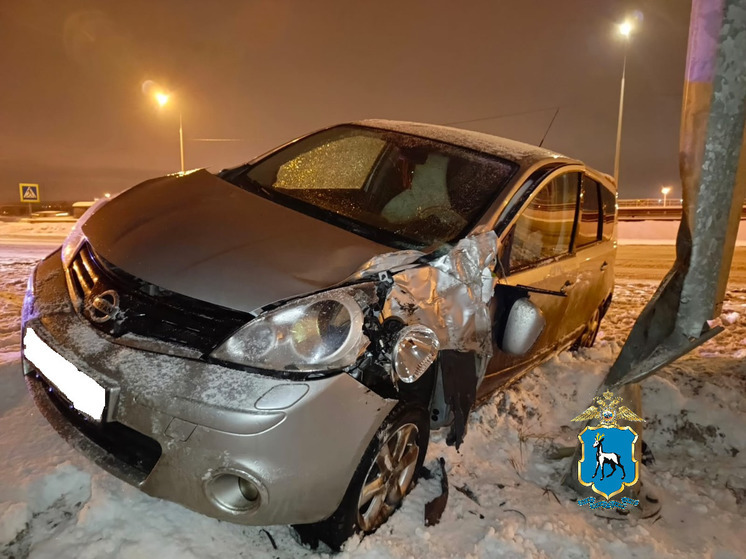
625, 28
161, 98
665, 191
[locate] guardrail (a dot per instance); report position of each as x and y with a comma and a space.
642, 213
650, 203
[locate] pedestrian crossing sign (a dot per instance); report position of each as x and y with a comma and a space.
29, 192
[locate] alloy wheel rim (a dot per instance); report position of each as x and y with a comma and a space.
591, 329
389, 477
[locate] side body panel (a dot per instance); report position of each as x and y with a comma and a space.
585, 275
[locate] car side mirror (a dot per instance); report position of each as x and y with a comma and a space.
523, 327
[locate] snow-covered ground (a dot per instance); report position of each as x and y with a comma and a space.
505, 498
34, 233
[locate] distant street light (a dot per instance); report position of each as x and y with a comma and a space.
625, 29
162, 99
665, 191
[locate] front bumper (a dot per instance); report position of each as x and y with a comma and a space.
173, 426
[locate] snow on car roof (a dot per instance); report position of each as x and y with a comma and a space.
522, 153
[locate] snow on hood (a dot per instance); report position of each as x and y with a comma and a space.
200, 236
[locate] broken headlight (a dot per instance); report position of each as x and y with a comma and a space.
317, 333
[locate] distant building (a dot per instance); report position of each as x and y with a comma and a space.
79, 208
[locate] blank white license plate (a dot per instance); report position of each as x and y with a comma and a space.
85, 394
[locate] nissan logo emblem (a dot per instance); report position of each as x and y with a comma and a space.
104, 307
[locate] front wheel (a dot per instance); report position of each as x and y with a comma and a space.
387, 472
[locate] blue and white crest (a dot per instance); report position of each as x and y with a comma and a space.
608, 459
608, 462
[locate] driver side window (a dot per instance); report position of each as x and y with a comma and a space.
544, 228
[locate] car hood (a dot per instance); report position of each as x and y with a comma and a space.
200, 236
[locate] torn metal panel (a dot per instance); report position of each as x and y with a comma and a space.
387, 262
451, 295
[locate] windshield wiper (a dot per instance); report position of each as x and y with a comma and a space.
242, 180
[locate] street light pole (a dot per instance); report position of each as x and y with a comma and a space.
181, 142
665, 190
625, 29
163, 98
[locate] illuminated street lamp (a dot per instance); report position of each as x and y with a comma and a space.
665, 191
162, 99
625, 29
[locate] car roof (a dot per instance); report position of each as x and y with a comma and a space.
525, 155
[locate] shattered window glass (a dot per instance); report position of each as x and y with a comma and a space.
343, 164
544, 228
394, 188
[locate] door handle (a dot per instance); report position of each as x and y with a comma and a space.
604, 265
564, 288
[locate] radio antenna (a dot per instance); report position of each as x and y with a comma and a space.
548, 127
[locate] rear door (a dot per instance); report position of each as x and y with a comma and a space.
594, 248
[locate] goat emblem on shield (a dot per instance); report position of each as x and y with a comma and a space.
608, 462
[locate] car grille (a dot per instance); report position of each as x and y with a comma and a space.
118, 303
126, 445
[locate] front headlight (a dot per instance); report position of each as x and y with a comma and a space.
318, 333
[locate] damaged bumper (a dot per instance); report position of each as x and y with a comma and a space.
237, 446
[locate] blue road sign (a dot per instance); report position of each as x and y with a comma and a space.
29, 192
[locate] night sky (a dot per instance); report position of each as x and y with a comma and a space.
74, 118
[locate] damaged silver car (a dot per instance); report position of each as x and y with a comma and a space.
273, 344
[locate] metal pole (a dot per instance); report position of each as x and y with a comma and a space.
722, 181
181, 142
619, 122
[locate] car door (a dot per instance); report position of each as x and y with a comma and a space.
537, 254
595, 254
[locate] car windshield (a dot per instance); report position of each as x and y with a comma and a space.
400, 190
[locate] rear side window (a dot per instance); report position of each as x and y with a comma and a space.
589, 224
544, 228
608, 203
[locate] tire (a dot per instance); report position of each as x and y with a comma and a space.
588, 337
387, 472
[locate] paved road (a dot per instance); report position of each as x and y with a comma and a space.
14, 247
652, 262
